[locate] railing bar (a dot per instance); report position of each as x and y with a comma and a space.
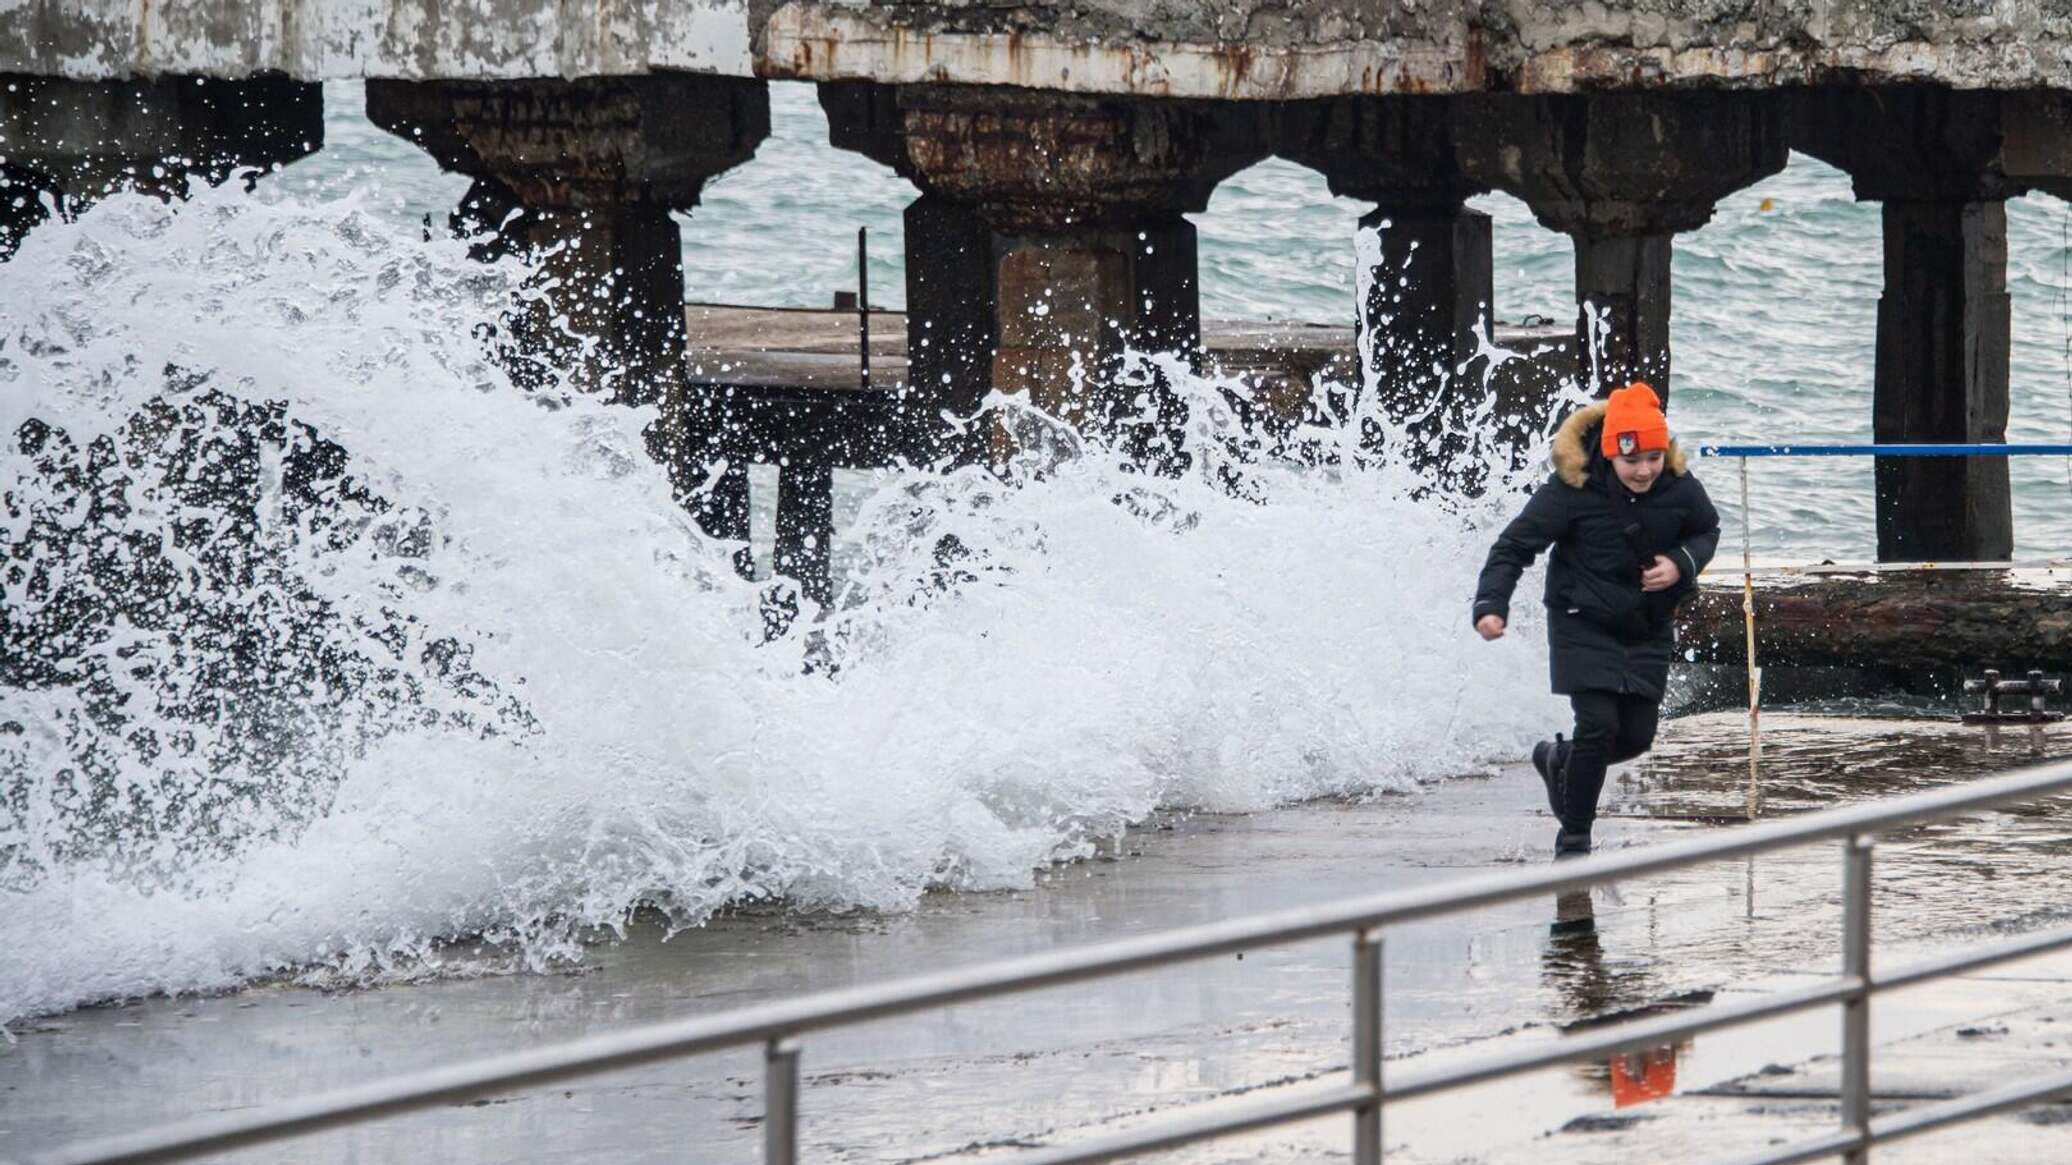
618, 1050
1626, 1037
1929, 1117
1202, 1127
1856, 1010
1925, 449
1962, 961
1813, 1150
781, 1102
1367, 1045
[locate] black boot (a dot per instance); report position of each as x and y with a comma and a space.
1550, 760
1571, 843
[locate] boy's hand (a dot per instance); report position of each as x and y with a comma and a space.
1660, 575
1490, 626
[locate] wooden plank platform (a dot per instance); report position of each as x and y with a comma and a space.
816, 348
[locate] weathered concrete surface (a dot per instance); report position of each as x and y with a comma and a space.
1621, 174
1268, 49
1265, 49
583, 175
66, 143
1055, 1066
1070, 211
416, 39
1428, 283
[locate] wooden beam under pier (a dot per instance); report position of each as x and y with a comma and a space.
1968, 618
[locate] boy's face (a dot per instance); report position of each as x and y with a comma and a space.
1638, 471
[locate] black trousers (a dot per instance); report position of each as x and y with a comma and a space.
1611, 727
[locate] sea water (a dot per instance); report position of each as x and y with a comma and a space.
326, 644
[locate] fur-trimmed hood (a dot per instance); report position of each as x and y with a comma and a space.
1575, 447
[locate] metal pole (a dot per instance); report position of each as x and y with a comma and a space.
781, 1101
863, 304
1367, 1044
1856, 1010
1755, 676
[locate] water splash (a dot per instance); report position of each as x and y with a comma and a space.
327, 644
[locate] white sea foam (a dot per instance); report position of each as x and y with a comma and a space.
547, 699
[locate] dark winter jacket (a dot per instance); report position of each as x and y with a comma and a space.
1603, 632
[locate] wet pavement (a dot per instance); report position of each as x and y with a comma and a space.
1057, 1065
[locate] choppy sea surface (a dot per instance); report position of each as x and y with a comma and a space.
325, 643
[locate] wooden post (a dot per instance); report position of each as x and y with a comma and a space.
1755, 675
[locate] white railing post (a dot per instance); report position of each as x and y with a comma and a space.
781, 1101
1856, 1010
1367, 1044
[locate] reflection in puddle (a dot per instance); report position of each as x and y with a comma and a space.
1638, 1077
1597, 995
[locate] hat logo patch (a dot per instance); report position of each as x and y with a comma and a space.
1628, 442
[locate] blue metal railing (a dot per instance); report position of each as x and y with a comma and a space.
2001, 450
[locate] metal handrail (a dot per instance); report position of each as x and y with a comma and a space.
780, 1026
1986, 449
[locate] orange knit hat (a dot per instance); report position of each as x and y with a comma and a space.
1633, 421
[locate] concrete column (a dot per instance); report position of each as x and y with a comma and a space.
607, 277
1088, 252
1428, 295
805, 529
1940, 161
1071, 302
952, 273
1942, 376
1620, 174
64, 144
1429, 284
1622, 300
594, 168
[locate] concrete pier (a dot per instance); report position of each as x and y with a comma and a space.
584, 175
1942, 164
1941, 375
1059, 149
1621, 174
1944, 626
65, 143
952, 299
781, 386
1071, 209
1429, 289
